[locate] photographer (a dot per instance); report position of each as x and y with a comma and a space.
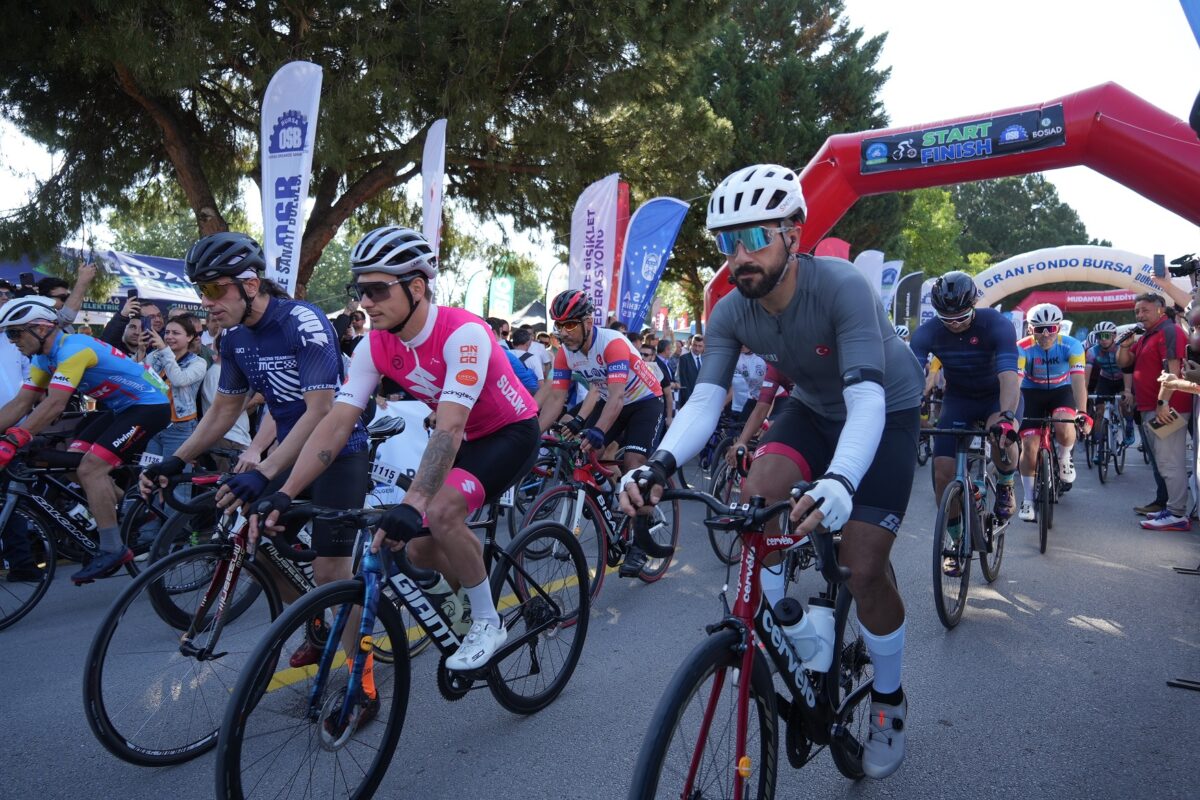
66, 299
116, 332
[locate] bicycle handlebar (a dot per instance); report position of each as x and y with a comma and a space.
573, 448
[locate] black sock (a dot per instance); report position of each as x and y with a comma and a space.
892, 698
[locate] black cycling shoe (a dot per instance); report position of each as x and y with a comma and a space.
102, 566
634, 561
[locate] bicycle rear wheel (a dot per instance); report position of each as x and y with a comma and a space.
527, 490
1045, 502
275, 740
27, 564
1101, 448
726, 487
1117, 447
557, 505
951, 556
137, 516
665, 521
690, 749
850, 679
149, 701
989, 563
543, 602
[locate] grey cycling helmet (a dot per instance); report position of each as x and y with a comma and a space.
902, 331
223, 255
395, 250
1104, 327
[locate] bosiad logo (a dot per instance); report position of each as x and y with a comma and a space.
289, 133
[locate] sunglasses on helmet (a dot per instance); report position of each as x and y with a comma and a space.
752, 239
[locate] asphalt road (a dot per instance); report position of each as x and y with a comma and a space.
1053, 685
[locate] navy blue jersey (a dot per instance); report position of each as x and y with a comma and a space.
971, 359
291, 350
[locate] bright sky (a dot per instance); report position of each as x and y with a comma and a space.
952, 61
958, 60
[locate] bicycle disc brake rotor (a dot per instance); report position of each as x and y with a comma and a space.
327, 735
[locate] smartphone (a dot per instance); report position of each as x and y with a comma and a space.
27, 279
1160, 266
131, 294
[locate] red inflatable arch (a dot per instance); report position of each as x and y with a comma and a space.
1106, 127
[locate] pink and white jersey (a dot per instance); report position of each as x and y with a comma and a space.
454, 359
611, 360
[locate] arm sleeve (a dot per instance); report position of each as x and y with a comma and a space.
866, 409
1169, 335
178, 376
920, 344
66, 315
1075, 357
467, 352
696, 421
1006, 347
318, 359
770, 385
38, 379
362, 378
69, 373
233, 380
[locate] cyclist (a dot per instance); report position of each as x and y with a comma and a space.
775, 386
1051, 365
135, 401
632, 407
850, 425
288, 351
977, 349
485, 435
1101, 358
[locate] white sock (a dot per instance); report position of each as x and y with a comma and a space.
1064, 452
887, 652
482, 607
1027, 488
771, 581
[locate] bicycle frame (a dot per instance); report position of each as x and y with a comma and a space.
15, 488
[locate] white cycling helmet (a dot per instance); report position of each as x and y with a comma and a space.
1044, 314
756, 194
902, 331
24, 310
395, 250
1104, 327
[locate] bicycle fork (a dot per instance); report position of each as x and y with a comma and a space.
221, 586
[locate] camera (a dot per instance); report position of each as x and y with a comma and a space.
1184, 265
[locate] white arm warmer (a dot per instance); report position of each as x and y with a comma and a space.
694, 423
866, 408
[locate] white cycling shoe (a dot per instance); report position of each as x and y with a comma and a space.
1066, 470
478, 647
1026, 512
883, 752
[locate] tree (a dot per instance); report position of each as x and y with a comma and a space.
1009, 216
930, 234
542, 96
786, 75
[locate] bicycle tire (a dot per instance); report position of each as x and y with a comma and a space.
18, 598
655, 568
1089, 449
185, 529
135, 513
924, 451
1045, 503
153, 711
1118, 448
531, 485
523, 587
1101, 449
557, 505
664, 760
726, 487
264, 701
848, 685
989, 563
950, 592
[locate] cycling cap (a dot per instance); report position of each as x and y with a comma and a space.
223, 255
571, 304
1044, 314
953, 293
1104, 327
396, 251
756, 194
24, 310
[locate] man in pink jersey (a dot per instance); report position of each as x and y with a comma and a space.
485, 437
632, 408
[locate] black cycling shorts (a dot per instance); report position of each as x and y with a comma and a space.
1109, 386
120, 437
636, 425
343, 484
485, 467
1041, 403
966, 411
808, 440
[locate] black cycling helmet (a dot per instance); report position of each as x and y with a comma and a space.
571, 304
223, 255
953, 293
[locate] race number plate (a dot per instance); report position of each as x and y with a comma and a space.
149, 459
382, 472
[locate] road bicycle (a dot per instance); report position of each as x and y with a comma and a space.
1047, 487
317, 731
1108, 437
727, 488
973, 488
586, 505
716, 728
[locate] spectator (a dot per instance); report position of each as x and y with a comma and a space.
748, 374
673, 359
68, 300
115, 331
1162, 346
617, 325
663, 374
689, 367
212, 330
635, 337
238, 437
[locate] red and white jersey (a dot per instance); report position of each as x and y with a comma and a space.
454, 359
611, 360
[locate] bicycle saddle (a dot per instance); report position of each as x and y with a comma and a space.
382, 427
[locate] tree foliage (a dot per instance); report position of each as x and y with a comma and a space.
931, 233
542, 98
1009, 216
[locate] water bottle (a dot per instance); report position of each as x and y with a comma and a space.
978, 490
454, 605
81, 515
811, 634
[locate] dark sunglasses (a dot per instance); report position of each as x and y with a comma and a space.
1104, 335
647, 355
566, 325
14, 334
1041, 329
752, 239
376, 292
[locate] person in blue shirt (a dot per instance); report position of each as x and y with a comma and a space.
1100, 365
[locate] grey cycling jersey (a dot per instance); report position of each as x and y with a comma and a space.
834, 332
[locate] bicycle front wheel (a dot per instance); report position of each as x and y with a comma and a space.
544, 604
26, 562
1045, 500
726, 487
989, 563
279, 737
557, 505
951, 555
691, 749
1117, 446
665, 521
1101, 448
152, 700
849, 681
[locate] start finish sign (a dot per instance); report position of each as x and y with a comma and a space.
966, 141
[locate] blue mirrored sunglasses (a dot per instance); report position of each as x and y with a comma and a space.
752, 239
